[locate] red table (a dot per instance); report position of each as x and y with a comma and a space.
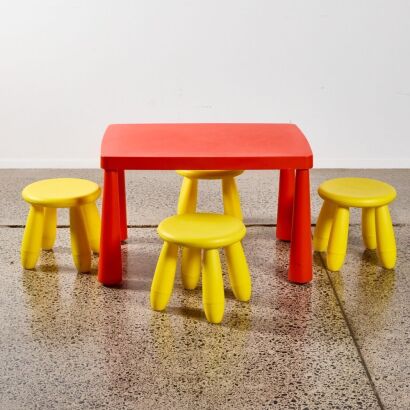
208, 146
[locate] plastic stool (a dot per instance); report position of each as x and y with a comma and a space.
44, 198
189, 191
208, 232
331, 232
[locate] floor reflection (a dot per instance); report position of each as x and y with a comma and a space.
375, 287
368, 287
56, 296
188, 346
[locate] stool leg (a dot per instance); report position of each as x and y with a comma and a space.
93, 224
369, 228
285, 204
386, 243
323, 227
49, 228
31, 245
164, 276
213, 297
80, 247
239, 276
191, 267
231, 200
188, 196
336, 250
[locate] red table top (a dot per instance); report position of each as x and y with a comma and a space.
205, 146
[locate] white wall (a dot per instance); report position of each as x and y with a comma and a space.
340, 69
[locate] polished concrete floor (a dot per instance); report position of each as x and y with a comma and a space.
342, 341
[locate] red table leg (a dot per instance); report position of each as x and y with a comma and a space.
300, 263
110, 264
123, 205
285, 204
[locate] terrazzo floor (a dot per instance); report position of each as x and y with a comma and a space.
66, 342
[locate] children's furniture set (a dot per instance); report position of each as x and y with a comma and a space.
207, 151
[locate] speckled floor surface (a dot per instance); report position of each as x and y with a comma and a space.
67, 342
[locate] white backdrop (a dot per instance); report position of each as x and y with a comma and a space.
340, 69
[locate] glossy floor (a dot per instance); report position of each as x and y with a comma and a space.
67, 342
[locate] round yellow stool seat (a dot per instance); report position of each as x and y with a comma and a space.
61, 192
332, 227
189, 191
199, 234
44, 197
205, 231
357, 192
209, 174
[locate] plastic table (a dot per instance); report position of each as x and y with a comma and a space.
208, 146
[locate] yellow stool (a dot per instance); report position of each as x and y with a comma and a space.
44, 198
208, 232
332, 226
189, 191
